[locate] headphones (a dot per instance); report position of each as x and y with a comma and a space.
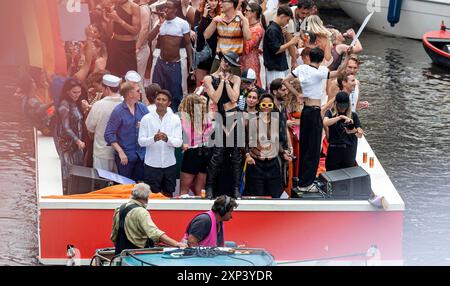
222, 210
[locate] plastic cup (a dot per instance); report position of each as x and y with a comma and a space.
371, 162
364, 157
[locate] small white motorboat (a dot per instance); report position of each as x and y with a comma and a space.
404, 18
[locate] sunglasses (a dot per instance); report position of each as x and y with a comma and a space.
249, 10
266, 105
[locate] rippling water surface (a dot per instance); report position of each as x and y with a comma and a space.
18, 212
408, 126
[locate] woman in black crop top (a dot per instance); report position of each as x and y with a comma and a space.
223, 88
124, 25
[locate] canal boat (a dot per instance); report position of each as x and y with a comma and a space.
407, 18
295, 231
437, 46
198, 256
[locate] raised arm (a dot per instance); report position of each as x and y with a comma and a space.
341, 69
343, 47
135, 27
89, 53
214, 94
145, 30
233, 92
212, 27
245, 26
286, 82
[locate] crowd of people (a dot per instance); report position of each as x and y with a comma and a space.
233, 97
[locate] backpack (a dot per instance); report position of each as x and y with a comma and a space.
201, 56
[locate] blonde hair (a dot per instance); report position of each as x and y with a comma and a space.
187, 109
126, 88
334, 35
335, 112
315, 25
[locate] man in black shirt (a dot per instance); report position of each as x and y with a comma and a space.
274, 45
206, 229
344, 131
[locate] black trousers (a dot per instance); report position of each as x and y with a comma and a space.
263, 179
221, 156
340, 157
310, 144
161, 179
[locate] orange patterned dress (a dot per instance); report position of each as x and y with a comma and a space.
250, 57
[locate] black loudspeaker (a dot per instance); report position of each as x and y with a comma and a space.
84, 180
347, 184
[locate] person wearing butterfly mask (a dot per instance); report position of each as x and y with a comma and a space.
263, 167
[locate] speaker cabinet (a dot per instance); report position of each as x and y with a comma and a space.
84, 180
347, 184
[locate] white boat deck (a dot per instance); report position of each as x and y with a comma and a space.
49, 183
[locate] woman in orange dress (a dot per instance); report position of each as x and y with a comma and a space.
250, 57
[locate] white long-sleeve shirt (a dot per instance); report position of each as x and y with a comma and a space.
160, 154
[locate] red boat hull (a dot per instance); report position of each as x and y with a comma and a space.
432, 42
288, 235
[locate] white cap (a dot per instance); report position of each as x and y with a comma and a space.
133, 77
249, 75
111, 80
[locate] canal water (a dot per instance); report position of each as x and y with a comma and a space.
407, 125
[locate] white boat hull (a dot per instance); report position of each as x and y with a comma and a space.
417, 16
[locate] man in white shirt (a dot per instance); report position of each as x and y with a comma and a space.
97, 120
160, 132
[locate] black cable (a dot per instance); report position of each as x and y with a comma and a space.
90, 263
112, 259
248, 261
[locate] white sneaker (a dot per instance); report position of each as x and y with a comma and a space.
378, 202
310, 189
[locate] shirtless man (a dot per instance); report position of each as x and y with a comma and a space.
123, 20
173, 31
333, 87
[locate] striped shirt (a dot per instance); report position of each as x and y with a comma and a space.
230, 37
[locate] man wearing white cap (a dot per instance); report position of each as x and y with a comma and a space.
97, 120
135, 77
